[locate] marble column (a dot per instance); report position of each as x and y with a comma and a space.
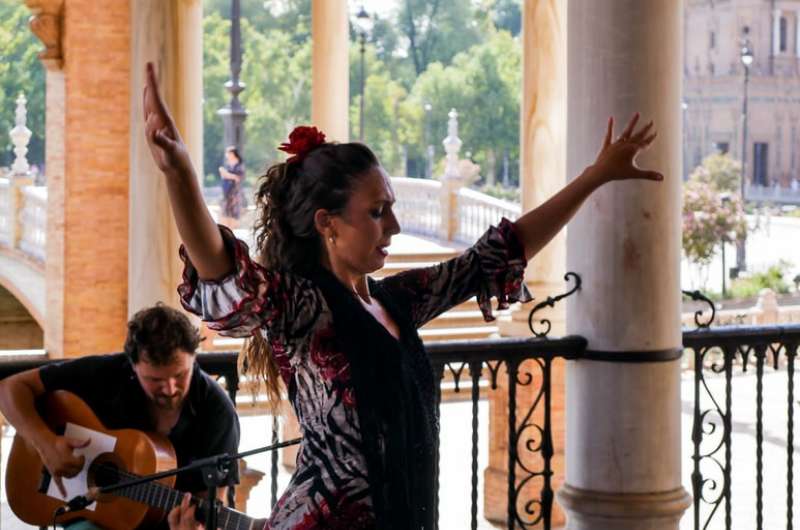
776, 32
623, 446
330, 96
543, 120
46, 23
170, 35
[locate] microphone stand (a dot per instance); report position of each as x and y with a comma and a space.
215, 470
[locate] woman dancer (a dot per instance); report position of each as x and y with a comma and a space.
345, 346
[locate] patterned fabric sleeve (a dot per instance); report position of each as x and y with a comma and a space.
492, 268
247, 299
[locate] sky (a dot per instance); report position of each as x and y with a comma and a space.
381, 7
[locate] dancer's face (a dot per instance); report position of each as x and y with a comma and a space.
364, 229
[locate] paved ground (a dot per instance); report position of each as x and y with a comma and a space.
456, 450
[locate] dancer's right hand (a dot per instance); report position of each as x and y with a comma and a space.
168, 150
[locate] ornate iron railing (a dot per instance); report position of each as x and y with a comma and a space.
721, 355
519, 368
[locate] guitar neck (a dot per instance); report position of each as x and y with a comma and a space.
165, 498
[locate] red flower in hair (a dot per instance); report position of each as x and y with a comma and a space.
302, 140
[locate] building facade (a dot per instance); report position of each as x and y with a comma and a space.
714, 89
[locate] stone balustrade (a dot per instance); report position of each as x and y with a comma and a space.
23, 217
477, 211
6, 217
33, 221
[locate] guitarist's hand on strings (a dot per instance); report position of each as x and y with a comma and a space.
60, 460
182, 516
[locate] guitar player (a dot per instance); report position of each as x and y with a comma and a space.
155, 386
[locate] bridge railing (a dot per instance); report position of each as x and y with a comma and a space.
773, 194
427, 207
418, 206
477, 211
23, 217
6, 216
33, 220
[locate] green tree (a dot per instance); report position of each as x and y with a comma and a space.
276, 72
21, 71
482, 83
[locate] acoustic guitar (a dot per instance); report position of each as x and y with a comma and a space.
136, 453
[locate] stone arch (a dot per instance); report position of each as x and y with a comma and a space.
21, 325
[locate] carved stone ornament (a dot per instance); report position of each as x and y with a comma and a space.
47, 24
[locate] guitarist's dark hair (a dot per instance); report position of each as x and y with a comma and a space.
159, 331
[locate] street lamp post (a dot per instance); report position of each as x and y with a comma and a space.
725, 202
364, 25
234, 114
746, 57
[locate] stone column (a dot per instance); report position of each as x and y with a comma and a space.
542, 174
87, 130
623, 444
47, 23
329, 111
170, 35
330, 96
776, 32
797, 33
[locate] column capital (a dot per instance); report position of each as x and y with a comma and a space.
47, 24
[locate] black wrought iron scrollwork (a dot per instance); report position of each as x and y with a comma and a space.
531, 492
710, 437
698, 296
551, 302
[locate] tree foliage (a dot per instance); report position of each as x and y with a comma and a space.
467, 64
277, 96
711, 214
21, 71
720, 171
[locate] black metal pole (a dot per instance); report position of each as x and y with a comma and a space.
363, 38
233, 114
724, 290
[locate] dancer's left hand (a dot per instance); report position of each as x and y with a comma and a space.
617, 158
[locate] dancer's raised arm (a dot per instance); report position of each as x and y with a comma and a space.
197, 229
616, 161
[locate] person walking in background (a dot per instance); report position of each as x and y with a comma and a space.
232, 175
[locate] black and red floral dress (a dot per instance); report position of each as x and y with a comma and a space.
330, 487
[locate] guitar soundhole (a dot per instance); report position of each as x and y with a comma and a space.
106, 470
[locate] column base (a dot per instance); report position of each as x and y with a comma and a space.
595, 510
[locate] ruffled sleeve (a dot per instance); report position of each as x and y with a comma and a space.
249, 298
493, 267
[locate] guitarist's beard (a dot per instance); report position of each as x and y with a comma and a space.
169, 403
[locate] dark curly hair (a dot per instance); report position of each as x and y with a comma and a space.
159, 331
286, 237
290, 194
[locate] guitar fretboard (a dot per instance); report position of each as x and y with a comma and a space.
165, 498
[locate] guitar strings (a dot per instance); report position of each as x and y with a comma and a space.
163, 489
